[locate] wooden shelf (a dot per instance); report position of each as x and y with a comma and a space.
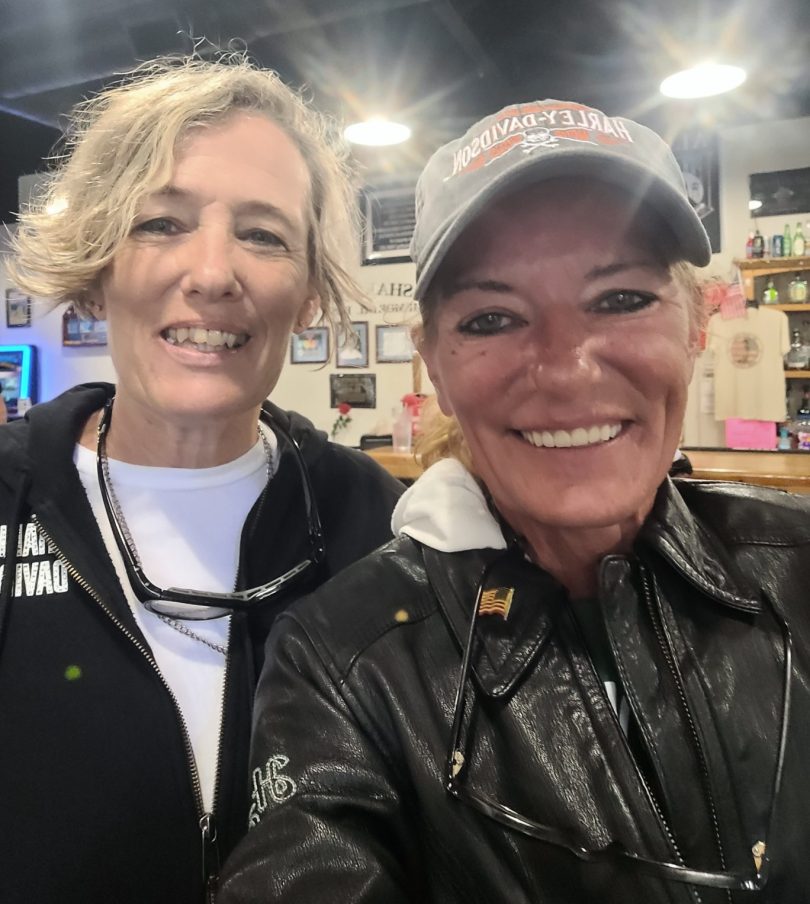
787, 308
797, 374
775, 264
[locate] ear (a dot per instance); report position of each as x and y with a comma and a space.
427, 349
307, 312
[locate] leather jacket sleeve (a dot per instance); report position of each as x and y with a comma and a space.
318, 782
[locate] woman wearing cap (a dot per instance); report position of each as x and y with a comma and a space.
202, 209
569, 679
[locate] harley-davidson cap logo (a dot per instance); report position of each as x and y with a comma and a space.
538, 125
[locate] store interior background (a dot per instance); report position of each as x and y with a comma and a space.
437, 65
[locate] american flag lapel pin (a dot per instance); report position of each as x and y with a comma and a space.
497, 601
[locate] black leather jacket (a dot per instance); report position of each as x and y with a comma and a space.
356, 702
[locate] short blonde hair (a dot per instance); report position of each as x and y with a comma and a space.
120, 146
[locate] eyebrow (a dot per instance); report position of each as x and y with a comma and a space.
619, 267
483, 285
260, 208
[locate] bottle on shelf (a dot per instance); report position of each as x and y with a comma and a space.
759, 244
771, 294
796, 358
801, 424
777, 246
749, 246
798, 241
797, 290
787, 242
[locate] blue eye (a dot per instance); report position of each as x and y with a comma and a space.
262, 237
158, 226
489, 324
624, 302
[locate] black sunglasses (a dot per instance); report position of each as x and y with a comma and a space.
512, 819
200, 605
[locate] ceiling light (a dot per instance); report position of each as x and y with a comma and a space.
754, 204
377, 131
704, 80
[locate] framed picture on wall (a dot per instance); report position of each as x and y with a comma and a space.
352, 350
388, 221
82, 331
394, 344
311, 346
18, 308
357, 390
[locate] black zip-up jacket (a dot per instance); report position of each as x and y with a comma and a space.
98, 797
355, 705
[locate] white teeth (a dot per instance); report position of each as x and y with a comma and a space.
579, 436
204, 340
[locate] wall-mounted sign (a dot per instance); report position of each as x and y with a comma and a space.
389, 220
18, 308
352, 351
78, 330
696, 153
781, 193
357, 390
310, 347
394, 344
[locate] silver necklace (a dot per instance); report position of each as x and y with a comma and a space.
178, 626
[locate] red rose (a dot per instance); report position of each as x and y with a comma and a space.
344, 408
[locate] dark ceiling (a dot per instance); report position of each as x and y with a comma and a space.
437, 64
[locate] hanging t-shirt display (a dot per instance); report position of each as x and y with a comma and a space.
749, 376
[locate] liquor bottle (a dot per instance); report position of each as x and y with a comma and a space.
771, 294
796, 358
787, 242
797, 290
804, 406
749, 246
801, 424
759, 244
798, 241
777, 246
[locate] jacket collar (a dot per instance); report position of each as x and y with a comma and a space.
510, 643
694, 552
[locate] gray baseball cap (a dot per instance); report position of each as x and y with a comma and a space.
539, 140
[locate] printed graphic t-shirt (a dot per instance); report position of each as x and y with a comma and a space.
749, 377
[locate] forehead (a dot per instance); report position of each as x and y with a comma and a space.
543, 218
244, 152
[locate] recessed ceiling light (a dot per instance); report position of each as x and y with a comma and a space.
377, 132
704, 80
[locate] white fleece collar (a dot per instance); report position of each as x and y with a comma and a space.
446, 510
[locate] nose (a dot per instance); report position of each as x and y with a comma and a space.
564, 357
208, 266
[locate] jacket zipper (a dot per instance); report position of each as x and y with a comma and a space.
210, 849
657, 620
208, 832
652, 799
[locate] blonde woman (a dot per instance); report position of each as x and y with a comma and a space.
151, 531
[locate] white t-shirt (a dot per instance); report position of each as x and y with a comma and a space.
186, 524
749, 375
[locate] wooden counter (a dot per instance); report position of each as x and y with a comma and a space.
786, 470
